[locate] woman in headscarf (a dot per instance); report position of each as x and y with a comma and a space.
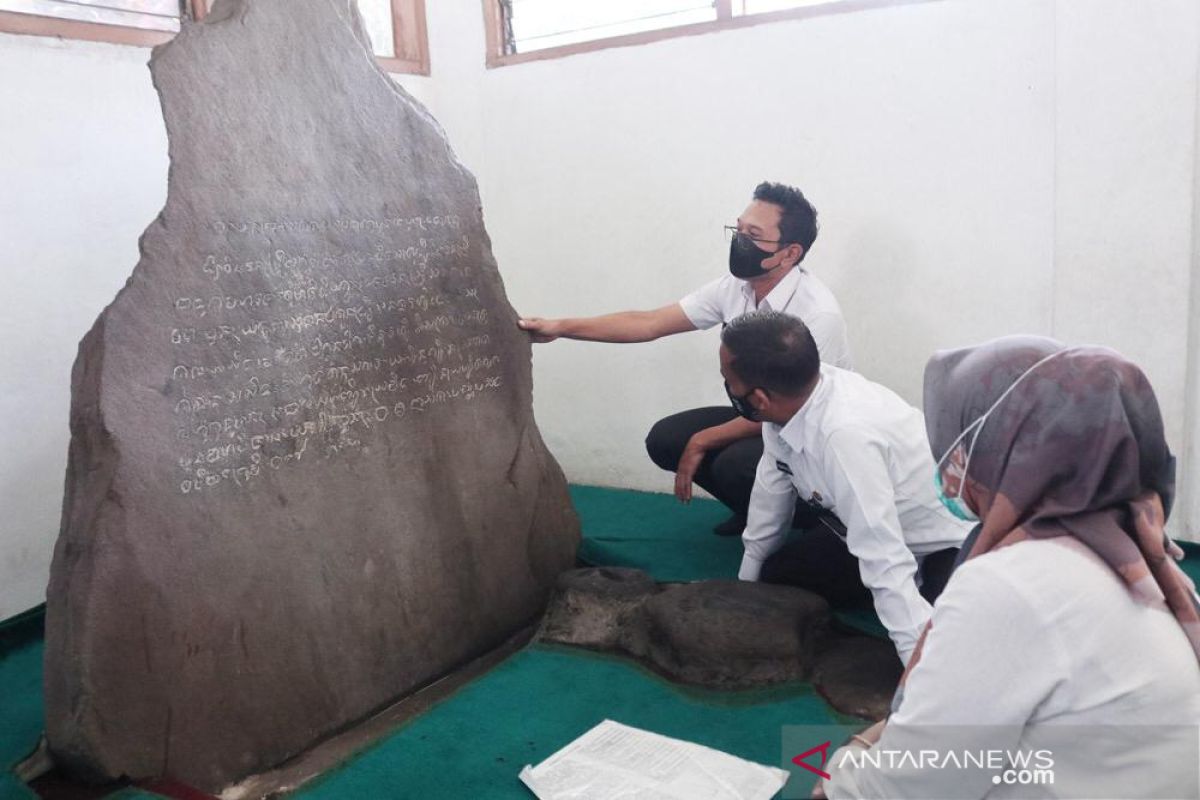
1067, 627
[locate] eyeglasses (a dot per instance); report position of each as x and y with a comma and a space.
731, 231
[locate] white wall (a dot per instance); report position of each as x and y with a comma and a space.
981, 167
83, 171
1191, 501
1125, 162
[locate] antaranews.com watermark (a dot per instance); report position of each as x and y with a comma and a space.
934, 762
1012, 767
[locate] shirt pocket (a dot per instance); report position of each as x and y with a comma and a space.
811, 488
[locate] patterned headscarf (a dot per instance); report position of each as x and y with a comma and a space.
1075, 449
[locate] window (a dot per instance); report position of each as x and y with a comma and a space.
396, 27
398, 33
144, 22
539, 24
151, 15
525, 30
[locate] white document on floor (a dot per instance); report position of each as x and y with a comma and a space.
614, 760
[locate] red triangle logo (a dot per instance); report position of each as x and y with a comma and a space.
823, 749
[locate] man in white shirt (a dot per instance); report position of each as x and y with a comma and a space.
713, 446
858, 453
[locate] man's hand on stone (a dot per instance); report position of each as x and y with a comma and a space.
685, 473
540, 330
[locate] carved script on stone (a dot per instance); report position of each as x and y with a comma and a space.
304, 476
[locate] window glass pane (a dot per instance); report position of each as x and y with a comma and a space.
379, 21
158, 15
763, 6
538, 24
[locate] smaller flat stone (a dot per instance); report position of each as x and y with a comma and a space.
733, 634
594, 607
858, 675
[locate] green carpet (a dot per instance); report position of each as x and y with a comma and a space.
474, 743
1191, 560
670, 540
20, 697
655, 532
674, 542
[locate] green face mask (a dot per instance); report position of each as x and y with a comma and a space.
956, 505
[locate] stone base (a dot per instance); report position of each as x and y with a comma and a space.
858, 675
723, 634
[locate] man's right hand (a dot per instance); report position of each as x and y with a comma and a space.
540, 330
624, 326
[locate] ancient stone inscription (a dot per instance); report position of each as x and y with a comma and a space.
305, 352
305, 478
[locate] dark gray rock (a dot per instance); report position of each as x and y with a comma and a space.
723, 634
733, 633
597, 607
728, 634
304, 476
858, 675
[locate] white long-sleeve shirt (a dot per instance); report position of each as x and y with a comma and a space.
1041, 646
800, 294
858, 450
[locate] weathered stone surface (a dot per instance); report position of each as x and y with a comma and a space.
858, 675
304, 474
597, 607
728, 634
723, 634
734, 633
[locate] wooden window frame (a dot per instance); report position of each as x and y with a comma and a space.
410, 39
410, 34
496, 57
60, 28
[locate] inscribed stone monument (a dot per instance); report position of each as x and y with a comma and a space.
304, 475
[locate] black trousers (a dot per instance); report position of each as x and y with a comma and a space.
818, 560
728, 473
814, 557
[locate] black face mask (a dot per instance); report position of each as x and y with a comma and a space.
742, 404
745, 258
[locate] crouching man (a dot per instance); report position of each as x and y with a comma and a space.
858, 455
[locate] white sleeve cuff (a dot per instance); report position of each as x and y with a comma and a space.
694, 310
750, 569
703, 306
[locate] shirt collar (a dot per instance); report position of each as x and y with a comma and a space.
778, 298
798, 430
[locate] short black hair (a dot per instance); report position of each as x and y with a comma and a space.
798, 220
772, 351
